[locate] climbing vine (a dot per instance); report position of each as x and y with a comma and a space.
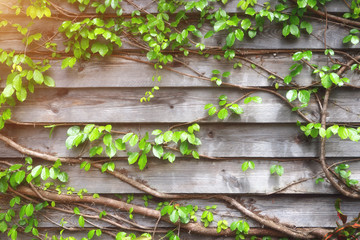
188, 28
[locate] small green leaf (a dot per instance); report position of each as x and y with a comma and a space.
158, 151
142, 161
291, 95
81, 221
223, 113
133, 157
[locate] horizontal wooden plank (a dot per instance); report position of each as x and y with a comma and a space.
119, 72
123, 105
151, 6
83, 233
208, 177
218, 140
270, 38
172, 105
310, 211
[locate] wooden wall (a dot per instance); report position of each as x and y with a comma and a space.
108, 90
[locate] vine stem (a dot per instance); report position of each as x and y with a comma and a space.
332, 17
230, 85
195, 227
343, 189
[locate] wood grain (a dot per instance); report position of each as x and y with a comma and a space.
151, 6
218, 140
115, 71
114, 105
208, 177
311, 211
270, 38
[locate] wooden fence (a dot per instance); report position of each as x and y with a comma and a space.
108, 90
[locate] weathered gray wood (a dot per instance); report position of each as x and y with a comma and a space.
218, 140
169, 105
207, 177
81, 233
151, 6
304, 211
118, 72
123, 105
270, 38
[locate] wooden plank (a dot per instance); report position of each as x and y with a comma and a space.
220, 177
82, 233
119, 72
218, 140
311, 211
171, 105
123, 105
270, 38
151, 6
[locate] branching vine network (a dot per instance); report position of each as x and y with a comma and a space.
162, 38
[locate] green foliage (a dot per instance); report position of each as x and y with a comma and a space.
353, 37
345, 229
222, 225
185, 139
344, 173
241, 228
278, 169
207, 216
158, 34
247, 164
225, 106
179, 213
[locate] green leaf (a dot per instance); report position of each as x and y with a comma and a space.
223, 113
3, 226
326, 81
127, 137
291, 95
220, 25
100, 48
245, 24
174, 216
88, 128
335, 78
29, 210
168, 136
286, 30
294, 30
36, 171
280, 170
38, 77
235, 108
63, 177
107, 139
49, 81
97, 150
110, 150
45, 173
8, 91
239, 34
184, 147
142, 161
307, 26
230, 39
81, 221
158, 151
343, 132
134, 140
120, 145
133, 157
297, 56
73, 131
304, 96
